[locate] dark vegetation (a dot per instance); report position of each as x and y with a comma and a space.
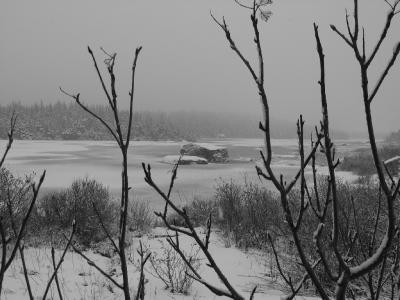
361, 161
251, 215
86, 202
16, 189
61, 121
249, 212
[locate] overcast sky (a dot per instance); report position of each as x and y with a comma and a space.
186, 63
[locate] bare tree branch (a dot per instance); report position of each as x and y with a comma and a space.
123, 146
54, 275
10, 134
85, 108
53, 259
385, 73
131, 94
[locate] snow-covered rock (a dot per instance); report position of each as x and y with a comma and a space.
393, 159
185, 160
212, 153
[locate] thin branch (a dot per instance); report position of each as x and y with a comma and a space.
143, 259
385, 73
333, 27
94, 265
356, 22
10, 135
85, 108
381, 38
300, 134
328, 148
20, 247
100, 77
243, 5
104, 227
232, 44
25, 220
54, 275
306, 162
53, 259
131, 93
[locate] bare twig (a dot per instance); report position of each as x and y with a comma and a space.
53, 259
10, 135
57, 267
144, 257
94, 265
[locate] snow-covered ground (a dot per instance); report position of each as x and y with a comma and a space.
78, 280
65, 160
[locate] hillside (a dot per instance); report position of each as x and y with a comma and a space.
61, 121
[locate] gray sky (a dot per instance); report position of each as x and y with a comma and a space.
186, 63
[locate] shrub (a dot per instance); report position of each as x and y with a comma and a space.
140, 218
172, 269
199, 210
228, 197
362, 163
358, 205
85, 201
249, 212
14, 191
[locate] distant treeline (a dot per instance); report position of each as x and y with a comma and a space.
61, 121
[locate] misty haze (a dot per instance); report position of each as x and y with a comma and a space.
237, 149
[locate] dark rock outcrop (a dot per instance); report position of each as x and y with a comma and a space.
212, 153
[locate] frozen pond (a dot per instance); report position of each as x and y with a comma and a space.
66, 160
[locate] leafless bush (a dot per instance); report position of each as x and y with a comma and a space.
248, 211
228, 196
172, 269
15, 194
84, 201
140, 217
199, 210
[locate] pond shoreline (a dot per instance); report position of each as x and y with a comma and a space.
65, 161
